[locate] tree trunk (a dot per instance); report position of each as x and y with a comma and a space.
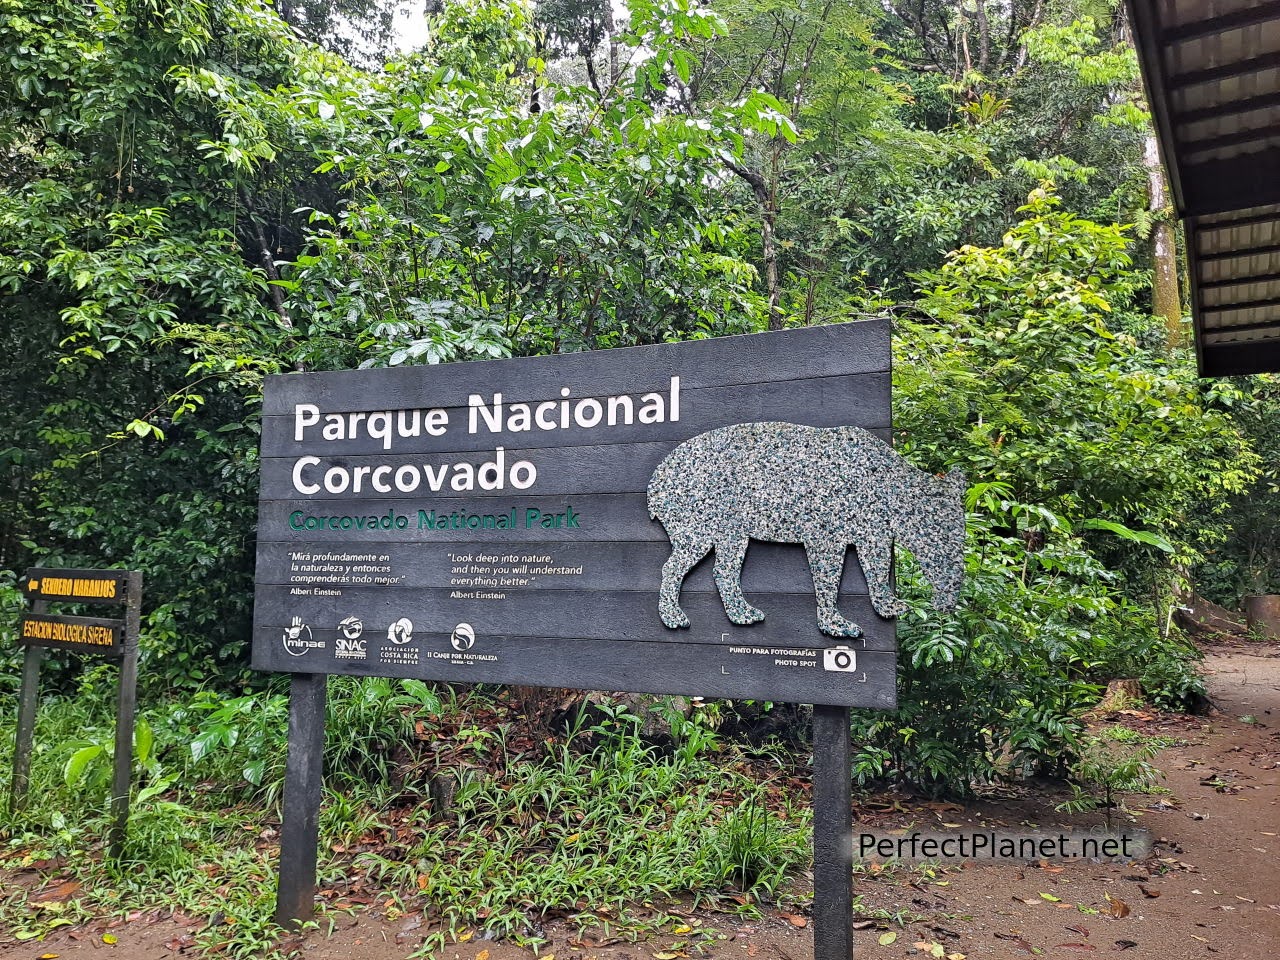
766, 194
1164, 249
611, 30
769, 237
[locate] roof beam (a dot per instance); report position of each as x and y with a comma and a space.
1272, 217
1238, 359
1236, 68
1246, 328
1198, 29
1240, 137
1245, 305
1146, 33
1231, 108
1239, 281
1220, 186
1237, 253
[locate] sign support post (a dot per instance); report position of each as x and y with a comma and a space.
303, 779
126, 707
28, 698
832, 835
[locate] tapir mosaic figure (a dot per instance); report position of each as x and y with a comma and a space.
827, 488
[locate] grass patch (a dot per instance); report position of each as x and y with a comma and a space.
579, 829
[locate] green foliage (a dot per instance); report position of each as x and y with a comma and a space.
614, 825
1093, 456
1241, 548
602, 818
1107, 766
1018, 366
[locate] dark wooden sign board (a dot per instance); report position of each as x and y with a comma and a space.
114, 638
490, 522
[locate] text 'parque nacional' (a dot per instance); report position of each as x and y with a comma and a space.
494, 415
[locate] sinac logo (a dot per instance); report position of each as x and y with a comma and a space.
349, 645
463, 637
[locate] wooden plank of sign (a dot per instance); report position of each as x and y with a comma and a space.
606, 468
790, 618
516, 564
692, 669
812, 352
81, 634
76, 586
825, 402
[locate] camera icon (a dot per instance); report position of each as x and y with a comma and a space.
843, 659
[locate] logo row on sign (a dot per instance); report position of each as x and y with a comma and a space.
298, 639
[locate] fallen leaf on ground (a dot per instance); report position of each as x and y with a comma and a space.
59, 893
108, 938
482, 955
1126, 944
887, 939
1017, 941
1147, 892
1050, 897
1117, 907
794, 919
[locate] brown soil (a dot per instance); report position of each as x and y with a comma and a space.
1211, 889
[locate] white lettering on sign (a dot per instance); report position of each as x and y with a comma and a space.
494, 414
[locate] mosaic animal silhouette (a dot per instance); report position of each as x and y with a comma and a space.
826, 488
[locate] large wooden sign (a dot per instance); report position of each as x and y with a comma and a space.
659, 519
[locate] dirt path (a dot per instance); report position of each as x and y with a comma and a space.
1211, 890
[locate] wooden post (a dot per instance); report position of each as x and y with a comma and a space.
832, 835
303, 778
126, 707
28, 699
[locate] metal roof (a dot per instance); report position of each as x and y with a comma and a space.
1212, 72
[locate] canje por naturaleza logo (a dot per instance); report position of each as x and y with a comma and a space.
463, 637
